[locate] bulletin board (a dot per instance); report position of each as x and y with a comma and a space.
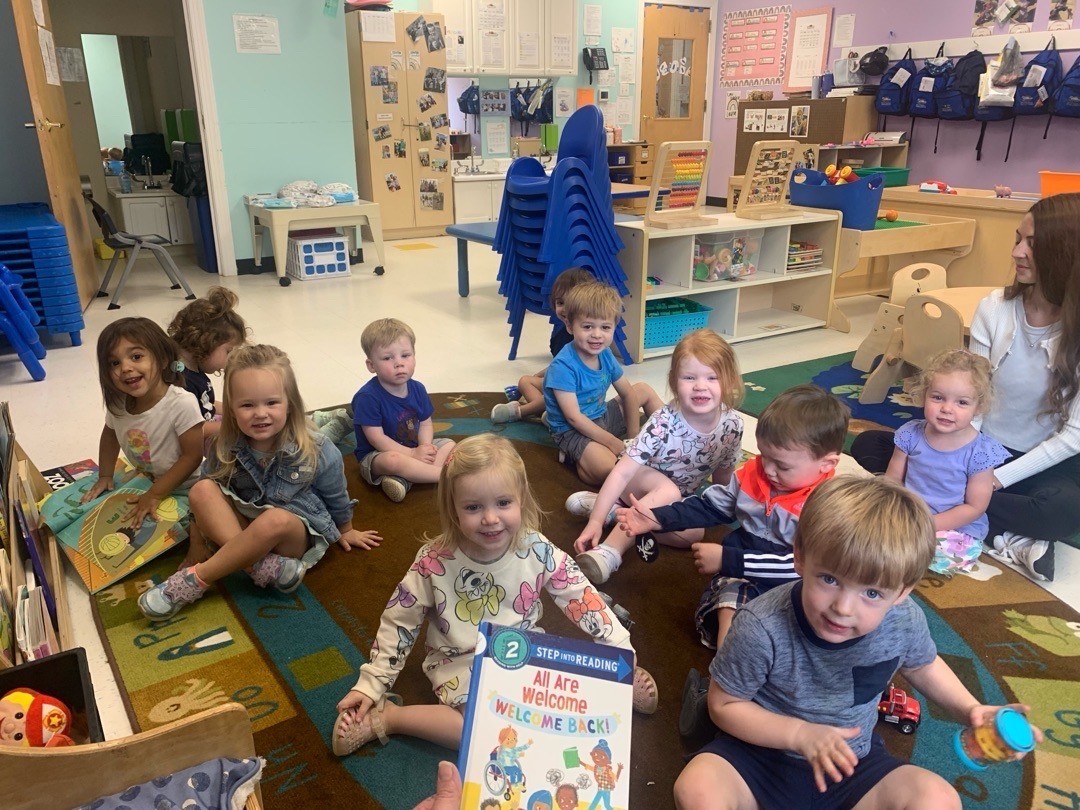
807, 50
754, 43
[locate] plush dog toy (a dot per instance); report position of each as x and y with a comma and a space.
33, 720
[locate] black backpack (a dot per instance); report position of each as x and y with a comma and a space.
960, 95
894, 91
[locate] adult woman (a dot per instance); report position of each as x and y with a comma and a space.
1030, 332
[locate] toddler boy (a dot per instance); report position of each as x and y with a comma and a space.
395, 442
800, 437
795, 685
588, 431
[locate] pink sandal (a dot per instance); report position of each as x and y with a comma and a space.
344, 742
645, 694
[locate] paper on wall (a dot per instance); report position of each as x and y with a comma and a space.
605, 78
48, 56
625, 88
492, 14
623, 40
455, 47
627, 64
564, 101
528, 49
843, 32
256, 33
562, 55
624, 110
497, 137
491, 49
591, 27
377, 26
72, 66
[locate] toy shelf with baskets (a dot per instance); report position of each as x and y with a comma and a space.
664, 265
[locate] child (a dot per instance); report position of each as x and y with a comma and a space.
795, 686
508, 754
273, 495
531, 386
697, 434
489, 563
207, 330
148, 414
944, 458
395, 442
800, 437
605, 776
587, 432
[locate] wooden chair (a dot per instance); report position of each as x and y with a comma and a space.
928, 327
913, 279
32, 778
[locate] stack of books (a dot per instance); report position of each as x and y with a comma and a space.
803, 256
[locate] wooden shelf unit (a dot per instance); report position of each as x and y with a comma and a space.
631, 162
772, 301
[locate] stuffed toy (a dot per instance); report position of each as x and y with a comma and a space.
33, 720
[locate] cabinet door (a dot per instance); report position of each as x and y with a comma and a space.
493, 22
146, 216
527, 37
179, 222
560, 38
460, 34
427, 124
472, 202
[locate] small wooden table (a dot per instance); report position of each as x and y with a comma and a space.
348, 216
963, 299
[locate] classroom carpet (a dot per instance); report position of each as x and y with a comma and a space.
290, 658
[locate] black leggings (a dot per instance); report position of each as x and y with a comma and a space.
1045, 506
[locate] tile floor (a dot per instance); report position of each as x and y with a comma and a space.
462, 344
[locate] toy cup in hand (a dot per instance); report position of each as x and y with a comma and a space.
1007, 738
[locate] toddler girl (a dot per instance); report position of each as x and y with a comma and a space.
489, 563
273, 496
697, 434
207, 330
148, 414
944, 458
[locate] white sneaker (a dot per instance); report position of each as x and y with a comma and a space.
581, 504
394, 487
1034, 557
598, 564
506, 412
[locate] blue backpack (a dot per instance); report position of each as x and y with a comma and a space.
960, 95
894, 92
928, 83
1066, 99
469, 103
1035, 100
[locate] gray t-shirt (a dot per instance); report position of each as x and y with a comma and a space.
772, 657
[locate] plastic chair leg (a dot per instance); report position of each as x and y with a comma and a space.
26, 354
171, 270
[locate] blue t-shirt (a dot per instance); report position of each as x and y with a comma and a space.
941, 476
773, 657
399, 417
568, 373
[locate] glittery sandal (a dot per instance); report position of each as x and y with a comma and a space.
645, 694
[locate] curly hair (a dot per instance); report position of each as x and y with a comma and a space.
206, 323
958, 360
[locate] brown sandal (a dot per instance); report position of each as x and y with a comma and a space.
344, 742
645, 695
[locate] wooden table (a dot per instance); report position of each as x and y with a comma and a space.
963, 299
936, 239
347, 216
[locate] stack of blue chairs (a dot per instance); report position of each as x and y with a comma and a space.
34, 246
549, 224
18, 321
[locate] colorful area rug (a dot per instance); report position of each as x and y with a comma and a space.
834, 374
288, 659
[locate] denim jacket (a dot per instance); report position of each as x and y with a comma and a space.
318, 496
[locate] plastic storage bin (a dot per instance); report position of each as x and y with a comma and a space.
63, 675
858, 201
726, 256
318, 257
668, 319
1058, 183
894, 176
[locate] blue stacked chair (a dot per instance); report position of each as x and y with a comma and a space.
549, 224
18, 321
34, 246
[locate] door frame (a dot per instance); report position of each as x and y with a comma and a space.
210, 127
710, 80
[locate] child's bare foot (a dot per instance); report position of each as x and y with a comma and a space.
707, 557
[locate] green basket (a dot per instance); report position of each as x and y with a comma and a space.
894, 176
668, 319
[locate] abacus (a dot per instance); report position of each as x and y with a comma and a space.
678, 186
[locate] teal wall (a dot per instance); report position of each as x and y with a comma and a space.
284, 116
106, 78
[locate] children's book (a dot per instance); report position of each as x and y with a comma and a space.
548, 718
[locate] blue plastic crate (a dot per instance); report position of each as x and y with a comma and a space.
318, 257
668, 319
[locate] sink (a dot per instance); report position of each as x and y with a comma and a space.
480, 173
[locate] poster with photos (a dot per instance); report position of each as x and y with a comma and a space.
434, 37
776, 119
435, 80
431, 200
754, 121
390, 93
1062, 15
1015, 16
416, 29
379, 75
800, 121
495, 102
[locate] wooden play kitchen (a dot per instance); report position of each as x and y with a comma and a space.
910, 238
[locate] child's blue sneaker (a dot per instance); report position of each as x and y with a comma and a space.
164, 601
275, 571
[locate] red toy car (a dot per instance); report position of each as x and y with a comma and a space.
898, 707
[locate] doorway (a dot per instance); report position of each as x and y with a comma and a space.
674, 66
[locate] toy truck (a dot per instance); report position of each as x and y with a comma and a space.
899, 708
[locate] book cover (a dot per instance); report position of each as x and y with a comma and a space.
60, 477
548, 718
29, 532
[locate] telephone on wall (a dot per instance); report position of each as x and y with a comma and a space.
594, 59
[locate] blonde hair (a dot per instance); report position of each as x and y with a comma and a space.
206, 323
957, 361
383, 332
805, 416
483, 453
711, 350
592, 299
273, 359
868, 530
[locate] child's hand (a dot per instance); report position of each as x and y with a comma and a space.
426, 453
982, 715
355, 707
827, 751
145, 507
708, 557
366, 540
100, 486
590, 536
636, 519
616, 446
